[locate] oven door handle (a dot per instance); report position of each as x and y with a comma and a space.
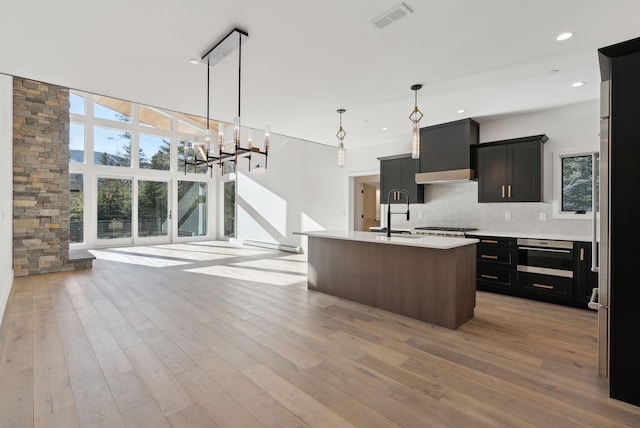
551, 250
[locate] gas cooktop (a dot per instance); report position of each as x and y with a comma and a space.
442, 231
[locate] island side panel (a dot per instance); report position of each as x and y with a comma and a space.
432, 285
466, 283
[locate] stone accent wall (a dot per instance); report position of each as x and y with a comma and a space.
40, 178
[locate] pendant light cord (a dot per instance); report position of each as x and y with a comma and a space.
239, 69
208, 96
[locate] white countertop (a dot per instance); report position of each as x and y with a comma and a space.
435, 242
532, 235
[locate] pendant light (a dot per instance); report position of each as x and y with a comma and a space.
341, 134
415, 117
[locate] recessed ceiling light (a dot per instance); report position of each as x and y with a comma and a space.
564, 36
194, 61
577, 84
385, 128
460, 111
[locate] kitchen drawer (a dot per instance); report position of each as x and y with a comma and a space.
491, 241
503, 256
545, 285
490, 275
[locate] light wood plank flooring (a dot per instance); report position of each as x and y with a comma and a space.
215, 335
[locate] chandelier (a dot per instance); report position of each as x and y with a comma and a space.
207, 154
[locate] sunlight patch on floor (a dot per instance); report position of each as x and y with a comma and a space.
253, 275
136, 260
173, 252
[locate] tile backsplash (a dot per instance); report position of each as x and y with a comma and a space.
456, 205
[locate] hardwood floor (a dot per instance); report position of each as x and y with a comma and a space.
210, 334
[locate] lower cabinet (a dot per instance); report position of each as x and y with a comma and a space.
545, 285
496, 266
497, 271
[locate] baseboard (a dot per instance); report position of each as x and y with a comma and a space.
5, 289
273, 246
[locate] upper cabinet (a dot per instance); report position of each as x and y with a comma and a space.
399, 172
510, 170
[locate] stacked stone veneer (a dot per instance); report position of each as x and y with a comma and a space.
41, 179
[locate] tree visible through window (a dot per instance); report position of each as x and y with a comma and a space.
577, 172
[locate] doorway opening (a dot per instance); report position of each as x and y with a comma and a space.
366, 202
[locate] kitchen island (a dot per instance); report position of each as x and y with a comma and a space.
430, 278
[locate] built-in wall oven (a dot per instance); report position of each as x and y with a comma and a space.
546, 257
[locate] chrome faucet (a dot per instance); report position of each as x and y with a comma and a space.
389, 208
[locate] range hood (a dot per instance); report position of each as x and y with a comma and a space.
445, 152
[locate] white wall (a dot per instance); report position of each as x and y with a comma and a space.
568, 128
6, 190
303, 189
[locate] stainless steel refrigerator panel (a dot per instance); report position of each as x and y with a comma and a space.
603, 338
604, 281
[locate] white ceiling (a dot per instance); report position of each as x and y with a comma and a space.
304, 59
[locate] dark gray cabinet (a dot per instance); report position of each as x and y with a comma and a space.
510, 170
497, 271
496, 264
399, 172
585, 280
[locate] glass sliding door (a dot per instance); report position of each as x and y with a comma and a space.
229, 209
114, 208
153, 208
192, 208
76, 208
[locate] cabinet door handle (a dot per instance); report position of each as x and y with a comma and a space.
488, 241
489, 276
547, 287
509, 191
582, 254
486, 256
503, 190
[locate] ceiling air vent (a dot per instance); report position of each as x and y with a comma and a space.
392, 15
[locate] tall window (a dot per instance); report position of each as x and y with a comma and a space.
153, 209
155, 152
76, 143
192, 208
132, 157
229, 208
577, 172
76, 208
114, 208
111, 147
